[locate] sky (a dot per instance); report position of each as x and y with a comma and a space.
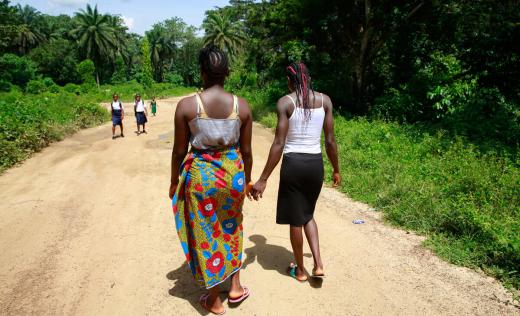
139, 16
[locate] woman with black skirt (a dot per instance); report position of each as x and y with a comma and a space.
302, 115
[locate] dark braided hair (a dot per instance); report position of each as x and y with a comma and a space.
214, 62
299, 76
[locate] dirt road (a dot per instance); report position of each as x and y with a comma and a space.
86, 228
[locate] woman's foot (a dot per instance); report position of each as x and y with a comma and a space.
212, 306
238, 296
317, 272
297, 272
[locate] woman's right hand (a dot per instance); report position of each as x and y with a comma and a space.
173, 189
258, 189
336, 179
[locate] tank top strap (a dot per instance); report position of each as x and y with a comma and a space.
321, 99
201, 113
293, 101
236, 111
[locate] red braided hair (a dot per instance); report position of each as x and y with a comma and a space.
301, 80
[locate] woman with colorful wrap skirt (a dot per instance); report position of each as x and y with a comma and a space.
209, 183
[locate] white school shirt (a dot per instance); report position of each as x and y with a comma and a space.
140, 106
117, 105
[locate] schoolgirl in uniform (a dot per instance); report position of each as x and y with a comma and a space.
141, 114
118, 114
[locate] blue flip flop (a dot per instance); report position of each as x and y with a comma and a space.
292, 272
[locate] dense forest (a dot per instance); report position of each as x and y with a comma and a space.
426, 93
35, 46
454, 63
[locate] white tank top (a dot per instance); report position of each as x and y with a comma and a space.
304, 136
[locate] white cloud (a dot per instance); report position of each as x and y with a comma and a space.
68, 3
129, 21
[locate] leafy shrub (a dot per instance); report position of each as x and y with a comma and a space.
16, 70
35, 86
72, 88
5, 86
86, 71
174, 79
441, 92
57, 59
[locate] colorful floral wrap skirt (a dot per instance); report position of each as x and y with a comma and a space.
208, 213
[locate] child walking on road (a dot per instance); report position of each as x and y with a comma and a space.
154, 106
118, 114
141, 114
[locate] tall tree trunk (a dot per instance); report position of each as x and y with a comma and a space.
97, 78
361, 62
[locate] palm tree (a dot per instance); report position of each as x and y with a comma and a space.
28, 34
120, 32
162, 47
222, 32
96, 37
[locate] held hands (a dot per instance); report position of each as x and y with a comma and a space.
258, 189
249, 190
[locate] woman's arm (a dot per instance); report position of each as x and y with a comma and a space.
276, 148
246, 134
180, 144
330, 141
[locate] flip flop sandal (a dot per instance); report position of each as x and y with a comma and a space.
292, 272
317, 276
244, 295
203, 300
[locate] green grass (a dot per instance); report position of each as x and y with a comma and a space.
464, 199
29, 122
466, 202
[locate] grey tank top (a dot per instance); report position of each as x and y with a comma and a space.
211, 133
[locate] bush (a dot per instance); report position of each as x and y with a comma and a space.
5, 86
16, 70
441, 93
35, 86
174, 79
57, 59
72, 88
86, 71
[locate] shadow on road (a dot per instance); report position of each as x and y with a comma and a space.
270, 257
185, 287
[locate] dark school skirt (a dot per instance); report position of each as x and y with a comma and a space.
117, 117
141, 118
301, 179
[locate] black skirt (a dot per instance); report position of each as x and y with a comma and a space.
141, 118
301, 179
